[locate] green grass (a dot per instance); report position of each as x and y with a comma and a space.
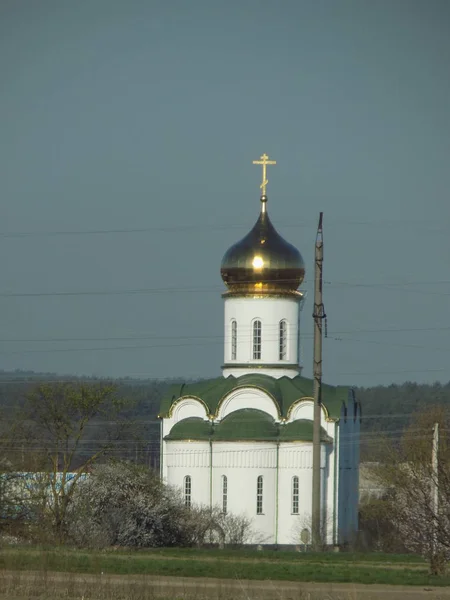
228, 564
282, 555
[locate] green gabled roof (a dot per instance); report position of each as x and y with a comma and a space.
301, 430
285, 391
192, 428
246, 424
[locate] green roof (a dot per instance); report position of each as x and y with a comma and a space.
285, 391
301, 430
247, 424
192, 428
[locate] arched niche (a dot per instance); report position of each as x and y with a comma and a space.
187, 407
248, 398
304, 409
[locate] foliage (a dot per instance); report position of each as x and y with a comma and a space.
390, 409
405, 472
53, 426
123, 504
127, 505
386, 409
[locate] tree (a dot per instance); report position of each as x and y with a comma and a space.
127, 505
406, 473
301, 533
58, 422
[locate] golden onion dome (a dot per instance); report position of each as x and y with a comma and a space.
262, 262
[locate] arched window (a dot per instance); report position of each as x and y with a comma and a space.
187, 491
224, 494
259, 495
233, 340
295, 498
282, 355
256, 340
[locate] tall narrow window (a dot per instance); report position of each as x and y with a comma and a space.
233, 340
257, 340
187, 491
259, 495
295, 495
224, 494
283, 340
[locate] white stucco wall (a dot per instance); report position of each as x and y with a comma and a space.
242, 462
193, 459
295, 460
183, 409
270, 311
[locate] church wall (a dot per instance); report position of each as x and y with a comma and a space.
295, 460
243, 463
270, 311
189, 459
349, 471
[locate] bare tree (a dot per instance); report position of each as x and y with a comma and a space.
68, 428
125, 504
406, 472
301, 533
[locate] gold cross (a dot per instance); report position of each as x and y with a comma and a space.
264, 162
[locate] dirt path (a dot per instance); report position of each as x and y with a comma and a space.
16, 584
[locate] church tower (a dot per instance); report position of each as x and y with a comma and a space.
242, 443
262, 304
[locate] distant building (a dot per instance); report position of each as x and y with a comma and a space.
243, 441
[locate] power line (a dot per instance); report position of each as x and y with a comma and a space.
394, 286
285, 221
221, 337
205, 341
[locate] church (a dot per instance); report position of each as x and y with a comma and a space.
243, 441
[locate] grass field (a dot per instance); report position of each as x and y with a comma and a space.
228, 564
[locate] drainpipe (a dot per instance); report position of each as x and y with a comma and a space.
276, 492
335, 484
161, 449
210, 474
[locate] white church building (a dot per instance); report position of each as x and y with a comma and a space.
243, 441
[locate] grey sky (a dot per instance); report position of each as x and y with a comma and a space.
132, 114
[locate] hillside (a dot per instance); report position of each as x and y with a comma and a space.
385, 409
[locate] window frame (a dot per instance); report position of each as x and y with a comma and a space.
188, 491
282, 340
259, 495
233, 339
295, 498
257, 339
224, 494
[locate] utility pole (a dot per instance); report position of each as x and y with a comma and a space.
318, 316
435, 483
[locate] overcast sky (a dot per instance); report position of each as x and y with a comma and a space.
128, 130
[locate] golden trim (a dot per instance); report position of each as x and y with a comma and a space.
328, 419
260, 441
181, 398
246, 387
329, 441
266, 294
251, 365
191, 441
